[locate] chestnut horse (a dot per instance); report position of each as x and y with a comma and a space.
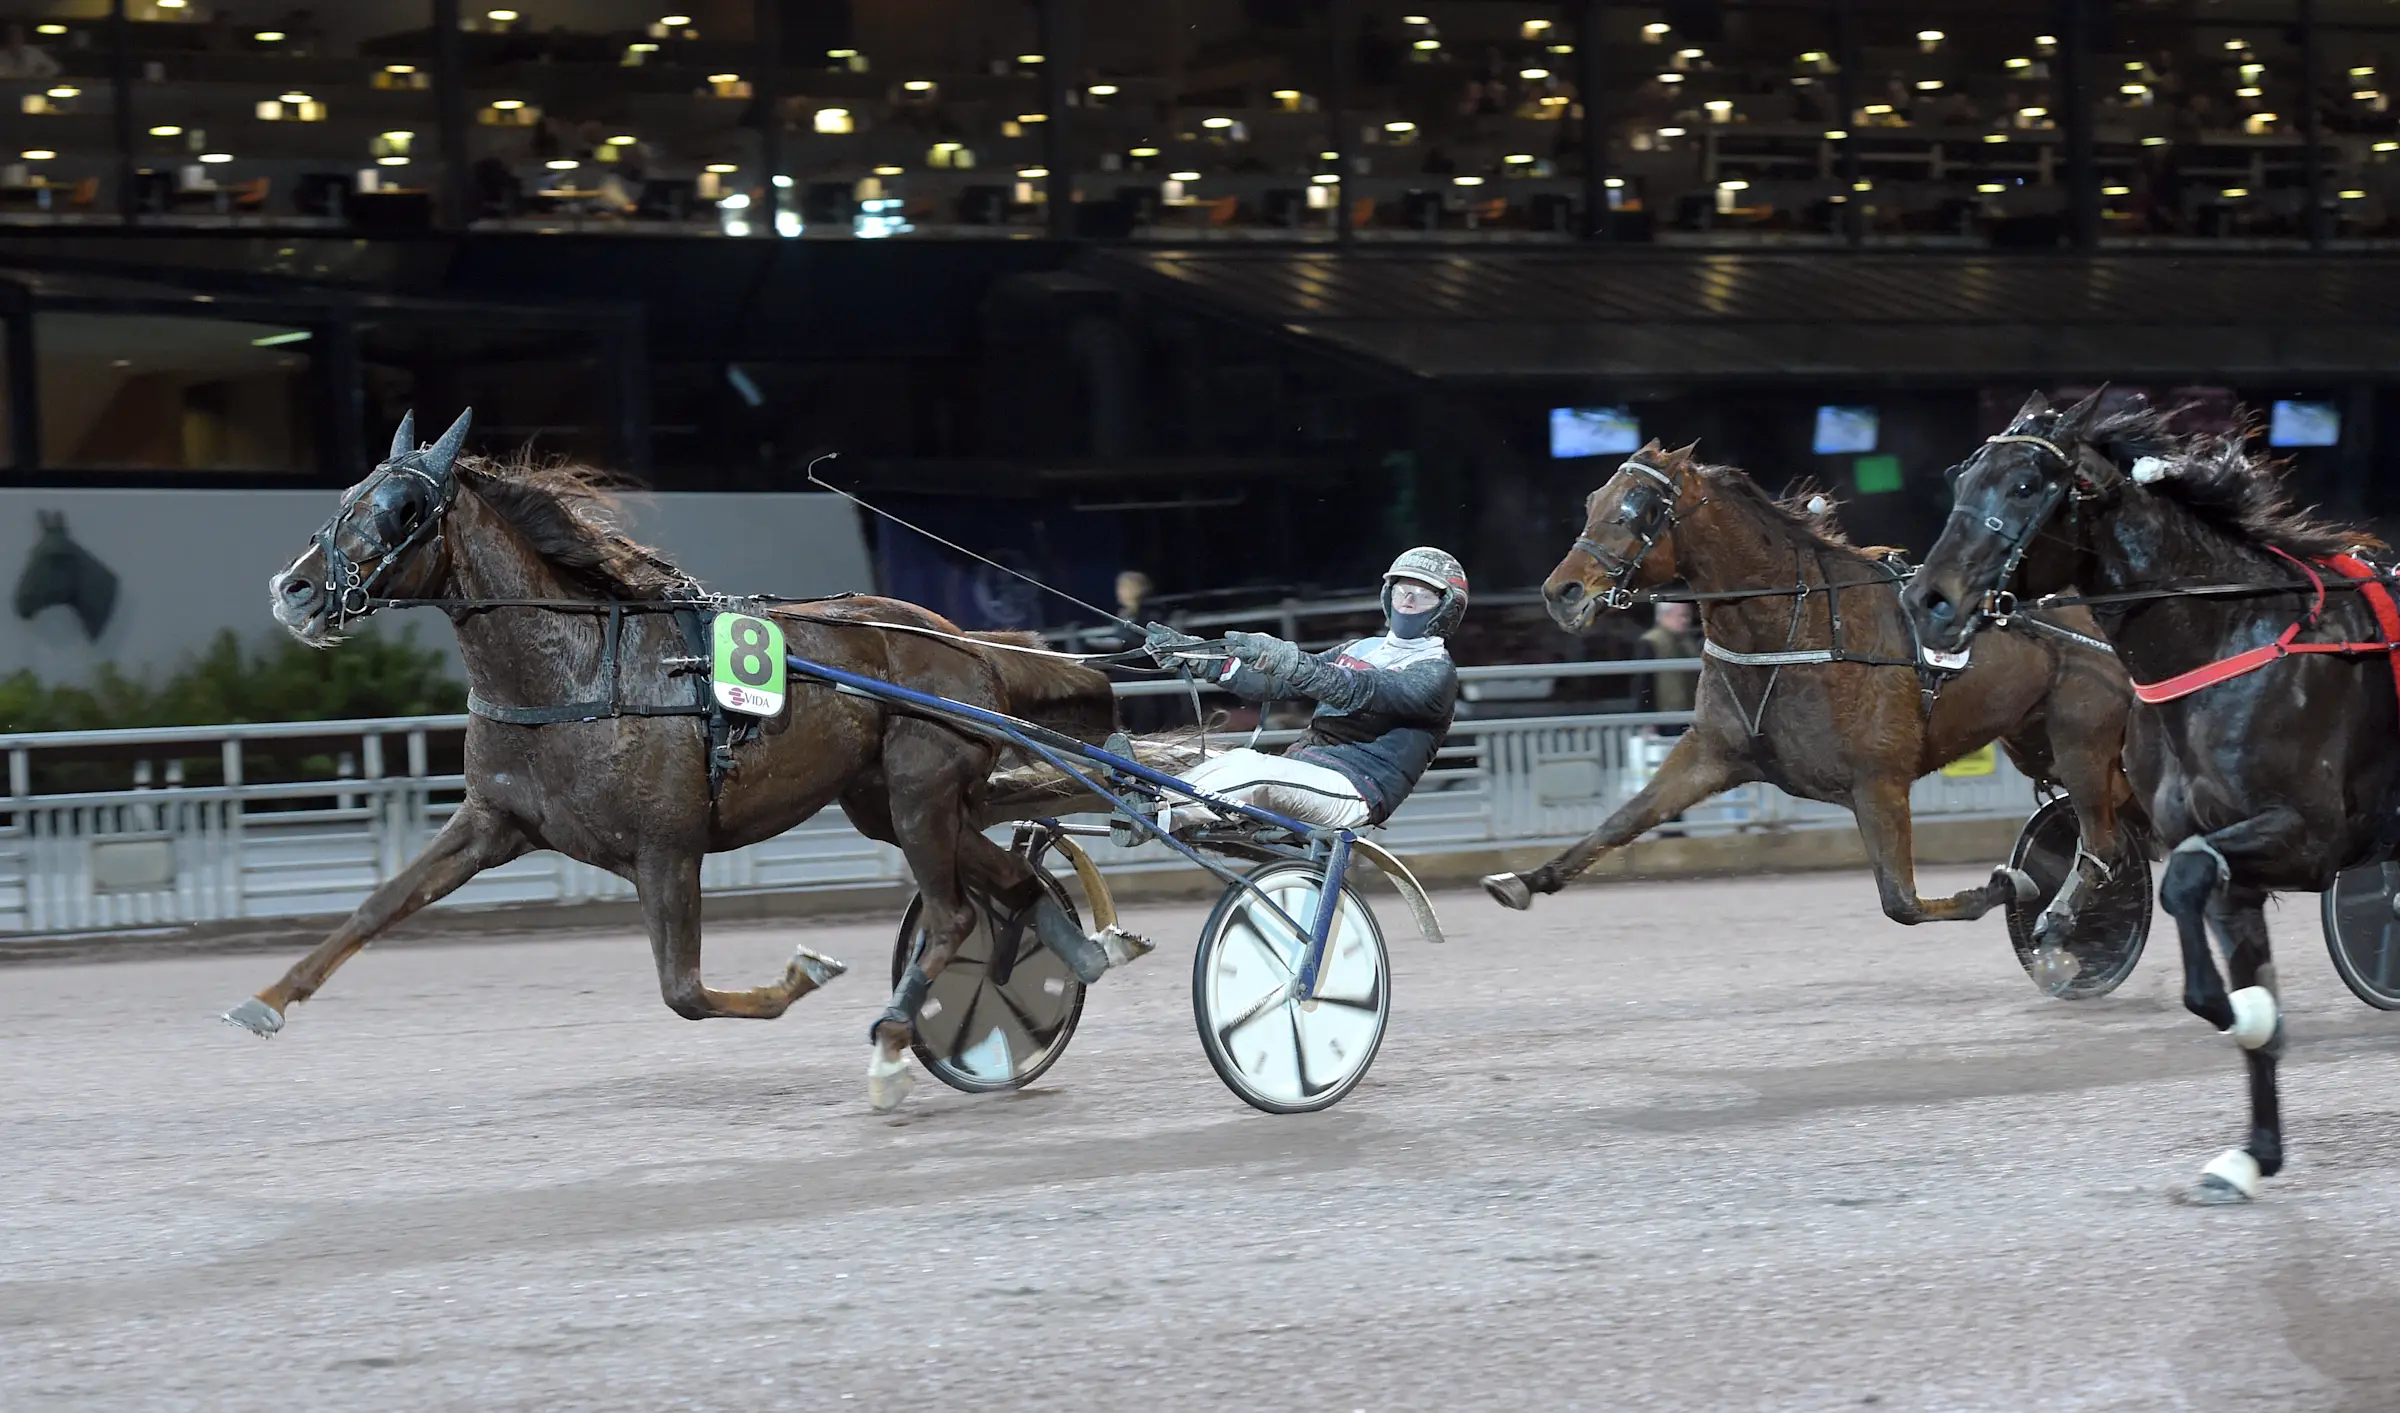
1778, 587
619, 775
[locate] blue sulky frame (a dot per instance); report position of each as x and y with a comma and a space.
1332, 846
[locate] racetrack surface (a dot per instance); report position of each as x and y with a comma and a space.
1729, 1144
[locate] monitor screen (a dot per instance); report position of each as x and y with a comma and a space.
1845, 431
2305, 424
1593, 431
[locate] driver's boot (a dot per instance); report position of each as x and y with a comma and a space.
1089, 957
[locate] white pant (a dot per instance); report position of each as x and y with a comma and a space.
1312, 794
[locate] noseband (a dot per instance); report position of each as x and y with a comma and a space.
352, 593
1649, 512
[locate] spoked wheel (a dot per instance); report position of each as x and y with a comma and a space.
1277, 1052
2362, 930
984, 1028
2110, 926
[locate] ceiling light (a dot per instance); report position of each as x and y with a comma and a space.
1670, 78
1613, 182
2352, 195
1468, 181
2020, 63
1655, 29
1995, 137
1990, 188
1326, 179
1183, 176
1109, 90
1687, 53
167, 130
216, 157
1930, 36
2047, 41
1415, 20
1427, 44
2133, 90
919, 85
1719, 105
298, 98
1736, 184
2363, 71
49, 29
889, 171
2232, 193
2237, 44
1928, 85
1836, 134
722, 169
1670, 132
1534, 74
503, 16
1033, 174
562, 164
509, 105
2248, 93
724, 78
2367, 95
272, 340
2133, 66
1400, 125
399, 68
269, 36
1517, 159
621, 140
1815, 56
2116, 191
675, 21
1216, 122
1029, 58
1873, 108
2033, 112
397, 136
2387, 146
1033, 117
65, 91
1862, 186
1143, 152
37, 154
2154, 142
391, 161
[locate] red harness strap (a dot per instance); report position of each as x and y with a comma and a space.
2379, 600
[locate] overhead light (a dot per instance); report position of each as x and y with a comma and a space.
393, 136
1216, 122
622, 140
213, 157
2116, 191
1995, 137
1517, 159
1427, 44
49, 29
1033, 174
1613, 183
675, 21
1183, 176
1928, 85
2237, 43
2232, 193
889, 171
1033, 117
562, 164
722, 169
2351, 195
1029, 58
391, 161
1719, 105
502, 16
2363, 71
1654, 29
1535, 75
2047, 41
2033, 112
65, 91
166, 130
37, 154
2020, 63
1467, 181
1930, 36
269, 36
1687, 54
919, 85
1533, 28
2264, 118
1670, 77
509, 105
1736, 184
831, 120
2367, 95
2387, 146
1399, 125
1670, 132
1815, 56
1990, 188
2248, 93
2154, 142
273, 340
297, 98
1143, 152
1415, 20
1109, 90
724, 78
2133, 90
1862, 186
1873, 109
399, 68
172, 4
1836, 134
2133, 66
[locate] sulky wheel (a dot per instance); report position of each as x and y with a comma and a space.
2114, 920
1278, 1053
979, 1032
2362, 930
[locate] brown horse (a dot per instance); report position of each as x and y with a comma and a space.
1776, 581
628, 787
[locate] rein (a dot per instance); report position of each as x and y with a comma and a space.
2241, 664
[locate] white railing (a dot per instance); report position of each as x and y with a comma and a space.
171, 853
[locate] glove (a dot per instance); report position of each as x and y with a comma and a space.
1269, 654
1161, 642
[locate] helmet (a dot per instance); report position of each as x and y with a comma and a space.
1438, 571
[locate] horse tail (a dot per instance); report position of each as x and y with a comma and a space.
1056, 692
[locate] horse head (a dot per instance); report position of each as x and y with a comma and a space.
62, 573
1625, 522
383, 541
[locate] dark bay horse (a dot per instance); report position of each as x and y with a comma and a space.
1855, 731
630, 792
2271, 779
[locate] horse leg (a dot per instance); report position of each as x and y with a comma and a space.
930, 772
2089, 761
669, 884
476, 838
1889, 832
1694, 771
2199, 886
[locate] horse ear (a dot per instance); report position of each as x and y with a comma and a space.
2078, 418
1651, 450
1683, 455
404, 438
440, 456
2034, 404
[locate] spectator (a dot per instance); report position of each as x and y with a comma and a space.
1140, 715
20, 60
1670, 636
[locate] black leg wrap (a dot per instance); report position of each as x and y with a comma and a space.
906, 998
1086, 958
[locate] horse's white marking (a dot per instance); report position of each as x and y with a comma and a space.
2236, 1169
2253, 1017
2152, 468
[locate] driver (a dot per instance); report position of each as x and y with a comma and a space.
1383, 703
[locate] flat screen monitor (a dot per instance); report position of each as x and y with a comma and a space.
1845, 431
2298, 423
1593, 431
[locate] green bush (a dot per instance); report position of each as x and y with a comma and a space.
372, 674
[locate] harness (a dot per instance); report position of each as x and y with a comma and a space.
2241, 664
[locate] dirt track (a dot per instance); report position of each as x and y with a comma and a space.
1677, 1146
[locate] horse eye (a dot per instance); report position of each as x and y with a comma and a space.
2023, 489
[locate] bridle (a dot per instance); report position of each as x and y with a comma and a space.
351, 594
1650, 512
2074, 489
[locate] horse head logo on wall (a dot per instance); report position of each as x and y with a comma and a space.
61, 572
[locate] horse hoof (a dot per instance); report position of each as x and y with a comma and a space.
816, 966
2054, 968
255, 1016
2019, 883
888, 1082
1508, 890
2230, 1179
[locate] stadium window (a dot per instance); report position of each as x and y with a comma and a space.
144, 392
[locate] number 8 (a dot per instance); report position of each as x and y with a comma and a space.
751, 665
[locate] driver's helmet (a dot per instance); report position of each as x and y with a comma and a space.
1439, 571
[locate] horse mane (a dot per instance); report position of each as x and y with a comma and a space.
1790, 510
2222, 482
568, 515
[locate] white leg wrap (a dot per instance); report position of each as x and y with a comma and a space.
2236, 1169
2253, 1017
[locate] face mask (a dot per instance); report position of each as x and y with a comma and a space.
1408, 625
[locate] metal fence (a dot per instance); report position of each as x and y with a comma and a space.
164, 852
